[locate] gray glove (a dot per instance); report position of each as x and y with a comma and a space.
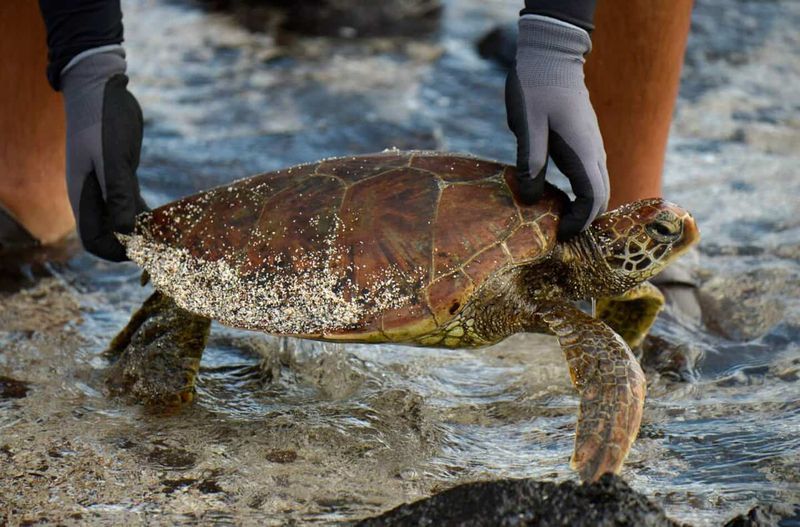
549, 110
104, 140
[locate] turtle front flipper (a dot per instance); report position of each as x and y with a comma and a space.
158, 353
632, 313
611, 384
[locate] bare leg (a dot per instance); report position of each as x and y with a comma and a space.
632, 74
32, 128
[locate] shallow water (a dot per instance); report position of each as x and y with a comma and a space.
285, 430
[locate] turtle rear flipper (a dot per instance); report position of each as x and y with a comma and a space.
158, 353
611, 384
632, 313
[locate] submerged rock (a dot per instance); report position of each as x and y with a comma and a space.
12, 388
338, 18
608, 502
500, 45
362, 17
767, 516
671, 355
746, 306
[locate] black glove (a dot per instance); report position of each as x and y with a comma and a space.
104, 140
549, 111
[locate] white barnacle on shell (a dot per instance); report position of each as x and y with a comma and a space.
303, 297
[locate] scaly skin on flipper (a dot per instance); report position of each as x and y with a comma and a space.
632, 313
611, 384
602, 367
159, 353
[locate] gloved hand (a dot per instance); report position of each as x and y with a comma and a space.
548, 109
104, 140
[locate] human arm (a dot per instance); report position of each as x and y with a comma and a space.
549, 110
576, 12
104, 121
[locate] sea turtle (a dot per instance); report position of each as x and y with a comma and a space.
418, 248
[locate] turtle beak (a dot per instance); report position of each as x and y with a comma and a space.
691, 235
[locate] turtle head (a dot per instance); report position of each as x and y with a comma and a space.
639, 239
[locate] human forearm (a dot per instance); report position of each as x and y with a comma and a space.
75, 27
576, 12
104, 120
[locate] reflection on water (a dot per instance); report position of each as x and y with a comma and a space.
322, 432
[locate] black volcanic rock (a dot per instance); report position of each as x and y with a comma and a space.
526, 502
772, 515
12, 388
362, 17
500, 45
338, 18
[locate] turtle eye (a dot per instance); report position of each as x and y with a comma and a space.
663, 232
